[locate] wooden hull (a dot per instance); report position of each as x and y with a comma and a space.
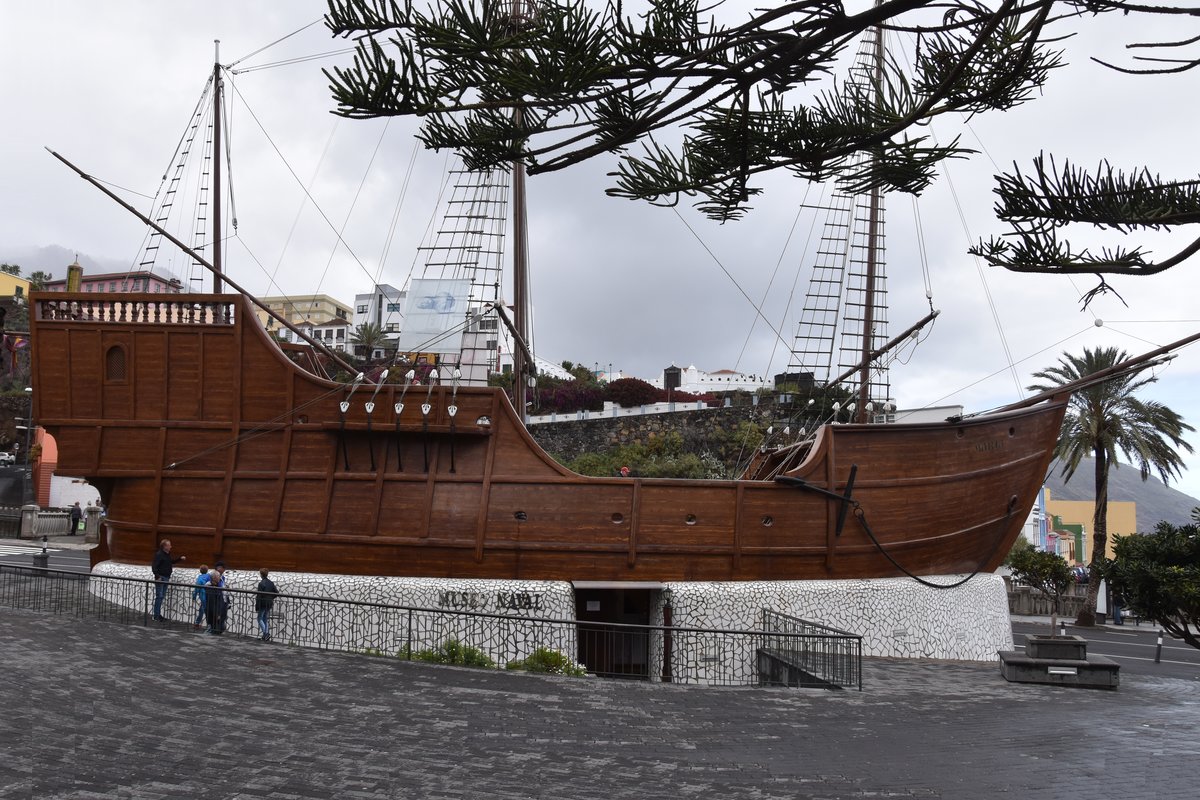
196, 427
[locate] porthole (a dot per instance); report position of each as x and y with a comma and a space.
960, 433
691, 519
1012, 431
618, 518
520, 516
768, 521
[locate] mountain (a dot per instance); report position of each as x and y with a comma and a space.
1156, 502
54, 260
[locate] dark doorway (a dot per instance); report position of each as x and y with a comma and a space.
605, 647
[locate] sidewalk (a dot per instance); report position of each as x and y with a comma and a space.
64, 542
113, 711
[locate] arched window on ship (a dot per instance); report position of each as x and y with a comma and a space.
114, 364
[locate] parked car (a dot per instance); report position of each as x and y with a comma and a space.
7, 458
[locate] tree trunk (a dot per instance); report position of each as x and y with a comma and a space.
1087, 614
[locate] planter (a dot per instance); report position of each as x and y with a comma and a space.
1063, 648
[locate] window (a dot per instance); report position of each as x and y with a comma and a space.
124, 286
392, 327
393, 307
112, 286
19, 291
137, 284
361, 309
341, 313
114, 364
341, 334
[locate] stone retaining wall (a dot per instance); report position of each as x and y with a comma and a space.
566, 440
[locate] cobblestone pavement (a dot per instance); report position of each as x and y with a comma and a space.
97, 710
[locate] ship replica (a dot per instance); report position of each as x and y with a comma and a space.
196, 425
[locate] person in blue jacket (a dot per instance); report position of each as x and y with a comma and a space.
198, 595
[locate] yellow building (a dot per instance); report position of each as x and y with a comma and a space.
311, 309
12, 286
1122, 518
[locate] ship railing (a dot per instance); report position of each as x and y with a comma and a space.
678, 654
147, 309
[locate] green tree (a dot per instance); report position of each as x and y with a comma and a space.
1159, 576
38, 280
1102, 420
367, 338
697, 101
10, 269
1049, 573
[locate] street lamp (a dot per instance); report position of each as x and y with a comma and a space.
27, 492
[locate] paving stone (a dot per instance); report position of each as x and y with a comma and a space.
101, 710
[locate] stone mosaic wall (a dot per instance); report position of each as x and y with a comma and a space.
367, 623
896, 617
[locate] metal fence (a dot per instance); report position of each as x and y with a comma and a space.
802, 653
10, 522
820, 657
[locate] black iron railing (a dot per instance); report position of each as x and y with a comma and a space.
797, 652
647, 652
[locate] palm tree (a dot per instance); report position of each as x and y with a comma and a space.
367, 338
1102, 419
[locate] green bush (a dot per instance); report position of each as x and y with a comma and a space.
452, 651
549, 661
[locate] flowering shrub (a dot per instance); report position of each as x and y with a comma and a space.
565, 397
631, 392
455, 652
549, 661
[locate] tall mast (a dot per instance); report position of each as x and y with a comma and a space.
520, 257
868, 325
218, 286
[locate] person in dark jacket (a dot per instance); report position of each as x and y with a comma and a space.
216, 606
263, 601
76, 516
161, 567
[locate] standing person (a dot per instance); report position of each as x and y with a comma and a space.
198, 595
263, 601
76, 516
215, 597
161, 567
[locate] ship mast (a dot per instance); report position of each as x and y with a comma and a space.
218, 266
520, 280
521, 364
873, 218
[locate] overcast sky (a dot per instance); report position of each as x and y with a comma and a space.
112, 86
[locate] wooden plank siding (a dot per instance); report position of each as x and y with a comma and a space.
214, 438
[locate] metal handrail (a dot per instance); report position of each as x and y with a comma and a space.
684, 654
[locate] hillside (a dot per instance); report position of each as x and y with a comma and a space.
1155, 501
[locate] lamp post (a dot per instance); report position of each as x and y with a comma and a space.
27, 492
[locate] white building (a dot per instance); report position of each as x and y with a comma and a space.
383, 306
697, 381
